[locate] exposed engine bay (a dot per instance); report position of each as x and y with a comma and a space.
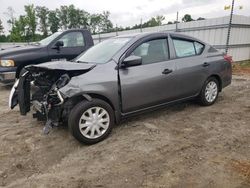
38, 87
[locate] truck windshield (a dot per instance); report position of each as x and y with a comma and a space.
103, 52
47, 40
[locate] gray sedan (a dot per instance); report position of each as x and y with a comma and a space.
121, 77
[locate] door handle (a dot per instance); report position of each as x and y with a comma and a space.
167, 71
205, 64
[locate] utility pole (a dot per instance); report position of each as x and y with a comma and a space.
176, 23
116, 30
99, 36
141, 25
229, 27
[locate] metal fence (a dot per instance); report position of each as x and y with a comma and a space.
213, 31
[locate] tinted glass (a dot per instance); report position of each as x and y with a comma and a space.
72, 39
152, 51
103, 51
184, 48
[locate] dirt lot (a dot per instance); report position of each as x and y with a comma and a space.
181, 146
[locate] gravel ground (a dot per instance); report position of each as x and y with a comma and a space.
185, 145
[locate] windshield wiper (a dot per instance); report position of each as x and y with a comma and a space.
81, 61
35, 43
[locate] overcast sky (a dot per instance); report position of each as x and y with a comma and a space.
129, 12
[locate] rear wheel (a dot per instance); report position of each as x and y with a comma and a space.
91, 121
209, 92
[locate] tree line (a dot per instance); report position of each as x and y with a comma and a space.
38, 22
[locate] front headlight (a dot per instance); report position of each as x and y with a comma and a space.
7, 63
62, 81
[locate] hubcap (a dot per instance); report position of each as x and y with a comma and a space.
211, 91
94, 122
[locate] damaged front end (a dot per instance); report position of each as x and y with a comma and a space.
38, 87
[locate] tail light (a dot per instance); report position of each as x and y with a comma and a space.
228, 58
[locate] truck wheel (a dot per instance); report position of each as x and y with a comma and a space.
209, 92
91, 121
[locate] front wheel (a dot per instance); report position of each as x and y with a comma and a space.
209, 92
91, 121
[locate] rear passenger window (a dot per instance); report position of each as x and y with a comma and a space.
185, 48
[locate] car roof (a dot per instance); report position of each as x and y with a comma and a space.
145, 34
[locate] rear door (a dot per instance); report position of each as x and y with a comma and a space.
74, 44
152, 82
191, 68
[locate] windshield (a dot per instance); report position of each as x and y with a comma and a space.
47, 40
104, 51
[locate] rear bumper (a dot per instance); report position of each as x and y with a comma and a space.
226, 83
7, 77
227, 76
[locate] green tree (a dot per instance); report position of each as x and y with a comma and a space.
18, 31
151, 23
106, 24
73, 17
1, 27
63, 17
3, 38
160, 19
31, 21
187, 18
200, 18
42, 13
95, 23
10, 13
22, 25
84, 19
53, 21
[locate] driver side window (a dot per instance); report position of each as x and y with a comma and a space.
152, 51
72, 39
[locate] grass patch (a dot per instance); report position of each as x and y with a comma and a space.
243, 64
241, 67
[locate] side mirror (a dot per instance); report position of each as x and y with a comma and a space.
58, 44
132, 61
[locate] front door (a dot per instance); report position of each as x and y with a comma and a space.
150, 83
73, 46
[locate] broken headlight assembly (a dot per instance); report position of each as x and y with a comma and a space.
54, 96
46, 97
61, 82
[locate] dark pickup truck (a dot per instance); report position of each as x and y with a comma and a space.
64, 45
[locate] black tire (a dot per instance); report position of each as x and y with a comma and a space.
77, 112
202, 97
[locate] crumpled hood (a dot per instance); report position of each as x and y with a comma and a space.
62, 65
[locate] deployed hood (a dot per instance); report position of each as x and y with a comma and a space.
19, 49
62, 65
